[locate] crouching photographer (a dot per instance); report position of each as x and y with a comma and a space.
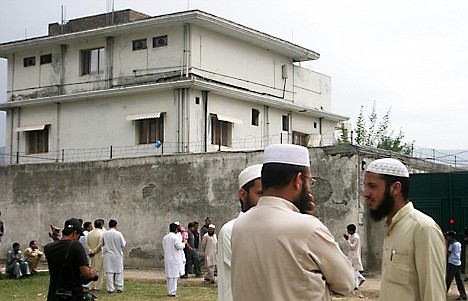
68, 265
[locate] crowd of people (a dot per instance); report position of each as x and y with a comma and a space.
275, 238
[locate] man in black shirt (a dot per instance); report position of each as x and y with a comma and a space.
68, 263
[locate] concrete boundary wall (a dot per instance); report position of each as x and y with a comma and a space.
146, 194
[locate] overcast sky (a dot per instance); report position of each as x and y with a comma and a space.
410, 56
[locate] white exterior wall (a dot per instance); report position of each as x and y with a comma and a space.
219, 57
149, 60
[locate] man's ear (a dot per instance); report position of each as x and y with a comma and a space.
242, 195
297, 181
395, 188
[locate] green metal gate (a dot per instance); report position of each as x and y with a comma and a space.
443, 196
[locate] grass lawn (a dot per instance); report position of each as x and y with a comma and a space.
36, 288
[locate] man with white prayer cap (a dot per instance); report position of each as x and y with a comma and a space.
279, 253
413, 258
250, 191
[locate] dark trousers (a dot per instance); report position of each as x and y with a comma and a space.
191, 258
454, 271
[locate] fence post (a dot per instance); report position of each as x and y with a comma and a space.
17, 157
63, 155
111, 152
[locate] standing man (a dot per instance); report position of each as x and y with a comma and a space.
209, 246
67, 262
204, 228
15, 264
113, 243
354, 254
93, 245
279, 253
172, 246
413, 258
33, 255
454, 251
191, 256
250, 191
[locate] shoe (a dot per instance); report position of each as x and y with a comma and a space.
212, 282
361, 281
184, 276
119, 291
172, 295
110, 292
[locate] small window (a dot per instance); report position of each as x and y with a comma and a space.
139, 44
92, 61
46, 59
38, 141
285, 123
221, 132
300, 138
159, 41
197, 100
315, 125
29, 61
150, 130
255, 116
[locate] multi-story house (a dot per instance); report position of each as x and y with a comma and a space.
129, 84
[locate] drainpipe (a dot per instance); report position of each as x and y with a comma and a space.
205, 120
266, 126
109, 61
63, 53
59, 113
320, 130
18, 112
186, 58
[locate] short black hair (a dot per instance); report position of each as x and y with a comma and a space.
278, 174
173, 227
32, 242
87, 224
405, 184
190, 225
98, 223
112, 223
351, 227
15, 244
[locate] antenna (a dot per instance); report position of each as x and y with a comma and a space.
63, 21
110, 12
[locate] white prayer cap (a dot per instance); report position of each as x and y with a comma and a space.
286, 154
250, 173
211, 226
388, 166
177, 223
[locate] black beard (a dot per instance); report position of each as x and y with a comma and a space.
210, 234
304, 204
384, 208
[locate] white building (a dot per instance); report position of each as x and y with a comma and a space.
115, 84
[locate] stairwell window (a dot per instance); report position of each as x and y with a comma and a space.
285, 123
221, 132
38, 141
255, 117
29, 61
159, 41
139, 44
300, 138
92, 61
150, 130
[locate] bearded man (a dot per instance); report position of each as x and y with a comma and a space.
250, 191
209, 246
279, 250
413, 258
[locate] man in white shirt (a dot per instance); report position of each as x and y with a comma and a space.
113, 242
172, 245
354, 254
250, 191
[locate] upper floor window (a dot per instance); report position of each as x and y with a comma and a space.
221, 132
160, 41
92, 61
139, 44
255, 116
46, 59
29, 61
285, 121
300, 138
150, 130
38, 141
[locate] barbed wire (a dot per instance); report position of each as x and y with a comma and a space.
248, 143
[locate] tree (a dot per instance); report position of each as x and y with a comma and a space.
377, 136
